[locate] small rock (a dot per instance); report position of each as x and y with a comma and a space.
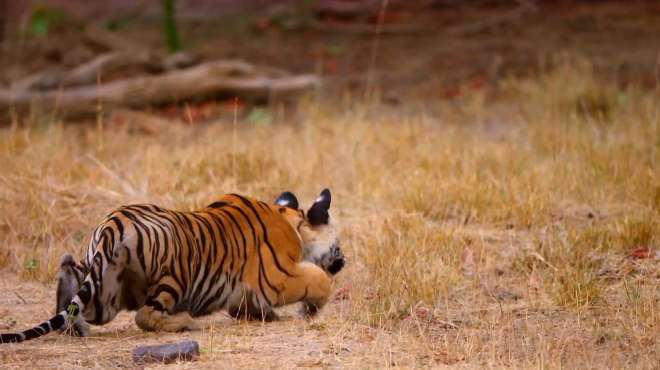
505, 295
167, 353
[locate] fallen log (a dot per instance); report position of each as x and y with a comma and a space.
219, 78
91, 72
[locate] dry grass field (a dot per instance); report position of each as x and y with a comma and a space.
514, 227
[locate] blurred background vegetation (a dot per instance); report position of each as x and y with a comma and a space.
417, 52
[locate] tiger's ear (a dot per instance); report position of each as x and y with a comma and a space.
318, 212
287, 199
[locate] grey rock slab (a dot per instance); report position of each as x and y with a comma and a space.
166, 353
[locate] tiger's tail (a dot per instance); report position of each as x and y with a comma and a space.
57, 322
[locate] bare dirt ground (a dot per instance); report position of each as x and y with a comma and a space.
225, 343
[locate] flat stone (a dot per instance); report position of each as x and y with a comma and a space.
166, 353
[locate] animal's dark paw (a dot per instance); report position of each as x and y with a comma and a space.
336, 266
309, 310
335, 260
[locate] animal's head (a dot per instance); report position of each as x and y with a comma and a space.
320, 237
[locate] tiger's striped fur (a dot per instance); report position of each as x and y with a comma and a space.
238, 254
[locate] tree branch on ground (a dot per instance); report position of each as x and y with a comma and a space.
211, 79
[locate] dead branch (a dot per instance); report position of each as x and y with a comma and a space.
92, 72
220, 78
179, 60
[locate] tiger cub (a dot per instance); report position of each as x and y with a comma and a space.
238, 254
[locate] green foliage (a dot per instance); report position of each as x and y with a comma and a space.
260, 116
171, 32
43, 19
31, 264
71, 309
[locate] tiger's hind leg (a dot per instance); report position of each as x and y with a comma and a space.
70, 279
310, 285
249, 308
158, 313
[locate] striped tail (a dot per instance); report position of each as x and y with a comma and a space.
57, 322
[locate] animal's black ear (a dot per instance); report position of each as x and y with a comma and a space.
318, 212
287, 199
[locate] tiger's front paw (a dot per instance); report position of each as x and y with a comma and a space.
334, 261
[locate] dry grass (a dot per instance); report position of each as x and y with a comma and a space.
496, 233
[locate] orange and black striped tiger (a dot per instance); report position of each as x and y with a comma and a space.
238, 254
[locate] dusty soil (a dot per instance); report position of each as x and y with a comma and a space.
291, 342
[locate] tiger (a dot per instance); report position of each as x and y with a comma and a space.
237, 254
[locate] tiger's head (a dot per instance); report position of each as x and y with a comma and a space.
320, 237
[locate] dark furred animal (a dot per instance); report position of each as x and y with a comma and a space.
238, 254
